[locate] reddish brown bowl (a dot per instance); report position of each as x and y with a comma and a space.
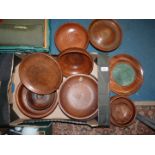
71, 35
127, 79
34, 107
40, 73
123, 111
105, 34
75, 61
78, 97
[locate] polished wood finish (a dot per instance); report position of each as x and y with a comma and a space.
78, 97
105, 34
71, 35
75, 61
32, 106
40, 73
123, 111
136, 84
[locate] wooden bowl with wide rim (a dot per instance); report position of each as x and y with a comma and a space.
40, 73
70, 35
78, 97
75, 61
34, 107
128, 77
105, 34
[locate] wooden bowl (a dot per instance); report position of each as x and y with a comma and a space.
32, 106
126, 74
71, 35
78, 97
123, 111
105, 34
75, 61
40, 73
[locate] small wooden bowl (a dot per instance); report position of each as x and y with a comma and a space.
105, 34
126, 74
71, 35
75, 61
40, 73
34, 107
123, 111
78, 97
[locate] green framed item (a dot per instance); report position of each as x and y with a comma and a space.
24, 35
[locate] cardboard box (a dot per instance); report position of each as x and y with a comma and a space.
16, 117
9, 112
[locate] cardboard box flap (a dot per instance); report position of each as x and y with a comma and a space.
6, 62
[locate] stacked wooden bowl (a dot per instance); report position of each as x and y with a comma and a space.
41, 76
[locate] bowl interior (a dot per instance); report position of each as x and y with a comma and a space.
123, 74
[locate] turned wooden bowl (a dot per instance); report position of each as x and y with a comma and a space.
123, 111
105, 34
71, 35
75, 61
33, 105
40, 73
78, 97
126, 74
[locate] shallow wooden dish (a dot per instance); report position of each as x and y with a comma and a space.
75, 61
78, 97
40, 73
71, 35
105, 34
34, 107
123, 111
130, 74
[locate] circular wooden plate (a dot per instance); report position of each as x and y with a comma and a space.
32, 106
78, 97
105, 34
123, 111
75, 61
71, 35
126, 74
40, 73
